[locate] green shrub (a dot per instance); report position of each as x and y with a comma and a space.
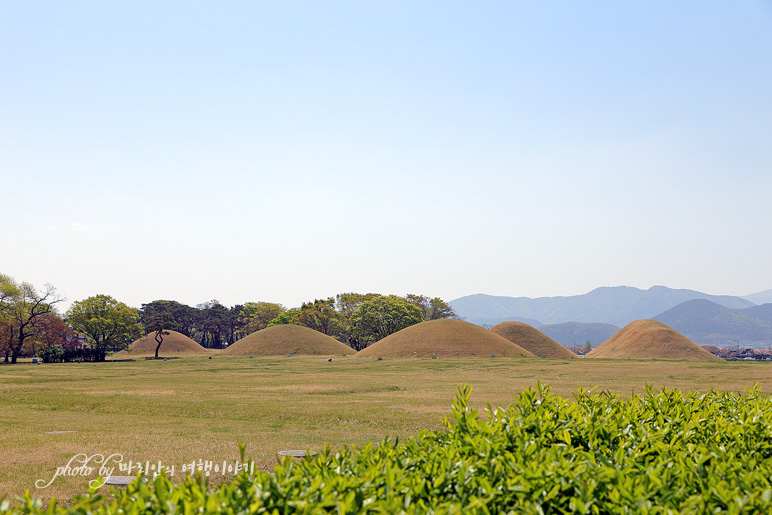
85, 354
69, 354
662, 452
51, 355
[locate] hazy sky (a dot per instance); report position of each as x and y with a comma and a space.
286, 151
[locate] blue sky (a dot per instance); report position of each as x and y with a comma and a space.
288, 151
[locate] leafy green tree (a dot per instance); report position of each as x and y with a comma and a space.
213, 324
288, 317
107, 323
8, 291
345, 305
378, 318
183, 317
431, 309
21, 306
587, 347
233, 323
257, 315
319, 315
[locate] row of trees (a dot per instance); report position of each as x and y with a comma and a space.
361, 319
29, 321
353, 318
211, 324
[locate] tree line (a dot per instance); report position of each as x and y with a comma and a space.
30, 322
352, 318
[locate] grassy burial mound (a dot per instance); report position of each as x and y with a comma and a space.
287, 339
646, 339
532, 340
443, 338
174, 344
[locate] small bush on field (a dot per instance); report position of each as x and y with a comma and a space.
663, 452
59, 355
51, 355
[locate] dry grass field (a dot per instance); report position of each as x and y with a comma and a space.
186, 409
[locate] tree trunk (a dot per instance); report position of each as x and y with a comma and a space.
159, 338
8, 348
16, 349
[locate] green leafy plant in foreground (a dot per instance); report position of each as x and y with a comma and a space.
662, 452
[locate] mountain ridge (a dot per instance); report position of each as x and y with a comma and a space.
707, 323
575, 333
615, 305
762, 297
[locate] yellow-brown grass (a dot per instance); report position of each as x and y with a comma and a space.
646, 339
173, 344
531, 339
179, 410
443, 338
287, 339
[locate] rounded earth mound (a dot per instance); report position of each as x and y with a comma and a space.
647, 339
531, 339
287, 339
446, 338
174, 343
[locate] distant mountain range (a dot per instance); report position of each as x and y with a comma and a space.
708, 323
763, 312
762, 297
575, 333
720, 320
617, 305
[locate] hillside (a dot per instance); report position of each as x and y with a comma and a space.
287, 339
445, 339
707, 323
763, 312
762, 297
612, 305
574, 333
650, 339
532, 340
174, 344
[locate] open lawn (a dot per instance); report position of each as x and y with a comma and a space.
192, 408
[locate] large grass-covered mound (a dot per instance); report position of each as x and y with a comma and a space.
174, 343
287, 339
532, 340
443, 338
647, 339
